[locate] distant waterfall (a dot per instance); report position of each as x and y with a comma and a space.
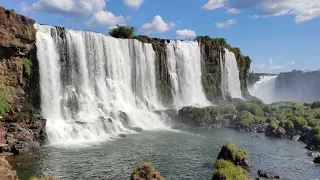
93, 86
264, 89
184, 59
230, 80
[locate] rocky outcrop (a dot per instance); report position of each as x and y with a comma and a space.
317, 160
266, 174
19, 83
6, 172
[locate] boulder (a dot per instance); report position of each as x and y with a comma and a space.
296, 137
237, 156
137, 129
314, 154
266, 174
122, 135
317, 160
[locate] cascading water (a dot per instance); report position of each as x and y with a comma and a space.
184, 59
264, 89
230, 80
94, 87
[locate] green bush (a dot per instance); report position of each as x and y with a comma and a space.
273, 125
27, 66
246, 118
227, 170
236, 153
4, 107
299, 122
123, 31
315, 105
256, 110
146, 171
316, 139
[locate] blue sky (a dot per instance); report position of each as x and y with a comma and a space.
278, 35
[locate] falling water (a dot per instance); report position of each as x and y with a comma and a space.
230, 75
94, 87
264, 89
184, 59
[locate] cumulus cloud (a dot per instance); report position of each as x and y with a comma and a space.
105, 19
185, 33
69, 8
258, 66
302, 10
278, 67
157, 26
133, 3
215, 4
270, 61
226, 24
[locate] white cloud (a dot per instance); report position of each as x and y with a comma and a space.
215, 4
185, 33
69, 8
270, 62
276, 67
226, 24
303, 10
105, 18
286, 64
157, 26
258, 66
133, 3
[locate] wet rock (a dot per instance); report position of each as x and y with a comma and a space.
317, 160
296, 137
314, 154
124, 119
122, 135
266, 174
181, 126
137, 129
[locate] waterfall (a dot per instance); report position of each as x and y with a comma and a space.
230, 80
264, 89
94, 87
184, 59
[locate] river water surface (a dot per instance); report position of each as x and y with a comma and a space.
177, 155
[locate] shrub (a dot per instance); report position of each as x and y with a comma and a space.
4, 107
299, 122
27, 65
273, 125
316, 139
289, 125
246, 118
146, 171
315, 105
256, 110
227, 170
123, 31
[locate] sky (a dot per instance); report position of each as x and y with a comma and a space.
278, 35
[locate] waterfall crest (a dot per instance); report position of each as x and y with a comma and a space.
94, 87
184, 59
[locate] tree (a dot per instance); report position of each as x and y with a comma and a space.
123, 31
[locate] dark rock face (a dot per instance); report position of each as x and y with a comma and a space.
317, 160
122, 135
24, 129
137, 129
265, 174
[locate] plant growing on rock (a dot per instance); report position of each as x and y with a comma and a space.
27, 66
227, 170
146, 171
123, 31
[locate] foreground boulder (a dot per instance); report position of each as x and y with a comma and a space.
231, 164
317, 160
235, 155
266, 174
146, 171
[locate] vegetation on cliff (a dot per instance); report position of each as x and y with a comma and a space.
123, 31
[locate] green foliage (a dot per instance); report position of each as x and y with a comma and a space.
273, 125
299, 122
123, 31
315, 105
316, 139
211, 82
31, 32
236, 153
227, 170
256, 110
146, 171
246, 118
27, 66
4, 107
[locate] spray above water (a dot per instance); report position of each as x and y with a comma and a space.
264, 89
94, 87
